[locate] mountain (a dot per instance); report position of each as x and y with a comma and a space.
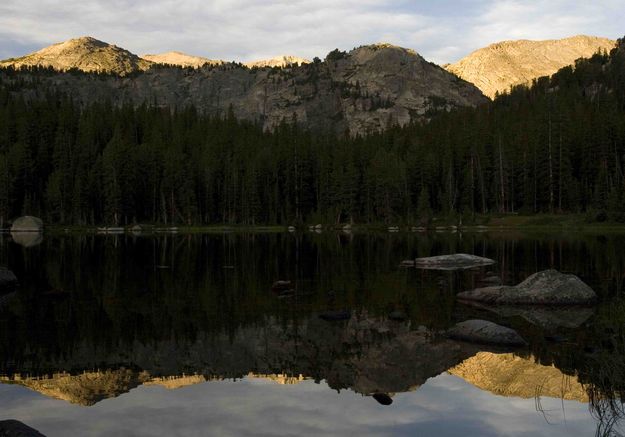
365, 90
498, 67
181, 59
86, 54
278, 61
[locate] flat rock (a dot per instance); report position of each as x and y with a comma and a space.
483, 331
457, 261
548, 287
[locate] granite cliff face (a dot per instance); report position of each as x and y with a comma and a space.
86, 54
500, 66
361, 91
181, 59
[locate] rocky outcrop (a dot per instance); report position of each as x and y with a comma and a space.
548, 287
278, 61
15, 428
181, 59
485, 332
511, 375
498, 67
85, 54
458, 261
365, 90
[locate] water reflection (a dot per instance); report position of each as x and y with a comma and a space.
96, 316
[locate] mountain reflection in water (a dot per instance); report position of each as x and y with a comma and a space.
95, 317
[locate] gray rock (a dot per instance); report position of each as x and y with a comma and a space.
15, 428
458, 261
7, 278
548, 287
483, 331
27, 224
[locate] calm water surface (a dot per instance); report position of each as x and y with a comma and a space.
182, 335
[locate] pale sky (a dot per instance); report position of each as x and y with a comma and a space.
441, 30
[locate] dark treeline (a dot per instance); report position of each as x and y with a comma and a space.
558, 147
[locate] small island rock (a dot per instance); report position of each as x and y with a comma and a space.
457, 261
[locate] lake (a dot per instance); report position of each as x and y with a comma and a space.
184, 334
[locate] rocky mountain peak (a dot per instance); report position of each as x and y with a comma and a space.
85, 53
500, 66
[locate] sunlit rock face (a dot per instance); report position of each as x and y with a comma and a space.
365, 90
86, 54
181, 59
498, 67
511, 375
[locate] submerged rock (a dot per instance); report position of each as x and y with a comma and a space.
483, 331
548, 287
335, 316
458, 261
282, 286
7, 279
15, 428
397, 316
27, 224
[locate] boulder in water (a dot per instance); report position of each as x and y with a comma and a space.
457, 261
548, 287
27, 224
483, 331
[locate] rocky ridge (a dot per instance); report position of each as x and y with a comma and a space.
365, 90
